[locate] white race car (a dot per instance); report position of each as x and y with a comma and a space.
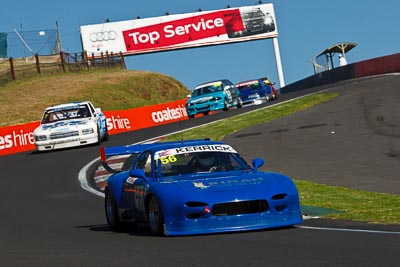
69, 125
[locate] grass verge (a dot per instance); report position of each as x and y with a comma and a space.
357, 205
110, 89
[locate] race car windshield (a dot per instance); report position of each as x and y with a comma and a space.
207, 90
200, 162
55, 115
253, 14
250, 86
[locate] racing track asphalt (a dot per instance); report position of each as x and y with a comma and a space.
352, 141
48, 220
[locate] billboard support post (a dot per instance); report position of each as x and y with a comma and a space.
278, 62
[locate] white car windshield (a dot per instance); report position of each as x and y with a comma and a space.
59, 114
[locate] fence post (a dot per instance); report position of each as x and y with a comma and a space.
85, 59
102, 58
107, 60
37, 64
12, 68
62, 60
112, 57
93, 60
76, 59
122, 60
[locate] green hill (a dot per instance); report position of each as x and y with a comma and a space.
111, 89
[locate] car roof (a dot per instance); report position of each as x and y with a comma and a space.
247, 82
66, 105
137, 148
169, 145
211, 83
242, 83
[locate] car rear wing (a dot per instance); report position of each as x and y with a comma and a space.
114, 158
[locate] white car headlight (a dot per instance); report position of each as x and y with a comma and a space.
40, 138
88, 131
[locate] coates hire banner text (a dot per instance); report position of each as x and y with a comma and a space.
180, 31
19, 138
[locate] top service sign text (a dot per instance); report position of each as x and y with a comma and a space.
181, 31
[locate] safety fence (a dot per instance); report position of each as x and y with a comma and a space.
13, 69
374, 66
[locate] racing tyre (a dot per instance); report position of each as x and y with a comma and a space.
226, 107
239, 102
98, 136
106, 135
111, 210
156, 219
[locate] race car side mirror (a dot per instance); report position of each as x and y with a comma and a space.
257, 163
138, 173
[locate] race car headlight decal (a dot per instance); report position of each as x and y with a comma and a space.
88, 131
268, 20
40, 138
216, 98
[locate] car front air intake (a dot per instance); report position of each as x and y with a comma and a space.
240, 207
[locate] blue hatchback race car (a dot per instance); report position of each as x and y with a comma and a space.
256, 91
195, 187
212, 96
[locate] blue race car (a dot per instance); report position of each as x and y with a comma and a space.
195, 187
257, 91
212, 96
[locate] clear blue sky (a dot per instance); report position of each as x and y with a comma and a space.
305, 28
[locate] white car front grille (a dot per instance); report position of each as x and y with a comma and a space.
63, 135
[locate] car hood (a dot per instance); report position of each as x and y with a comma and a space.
200, 99
242, 183
64, 125
249, 91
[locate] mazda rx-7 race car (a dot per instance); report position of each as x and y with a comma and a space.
69, 125
195, 187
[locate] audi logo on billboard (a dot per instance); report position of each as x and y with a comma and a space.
103, 36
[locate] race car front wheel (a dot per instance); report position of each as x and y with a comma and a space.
239, 102
111, 210
226, 105
156, 219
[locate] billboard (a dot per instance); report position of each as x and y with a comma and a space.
180, 31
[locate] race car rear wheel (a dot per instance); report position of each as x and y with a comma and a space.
156, 219
98, 136
106, 135
111, 210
